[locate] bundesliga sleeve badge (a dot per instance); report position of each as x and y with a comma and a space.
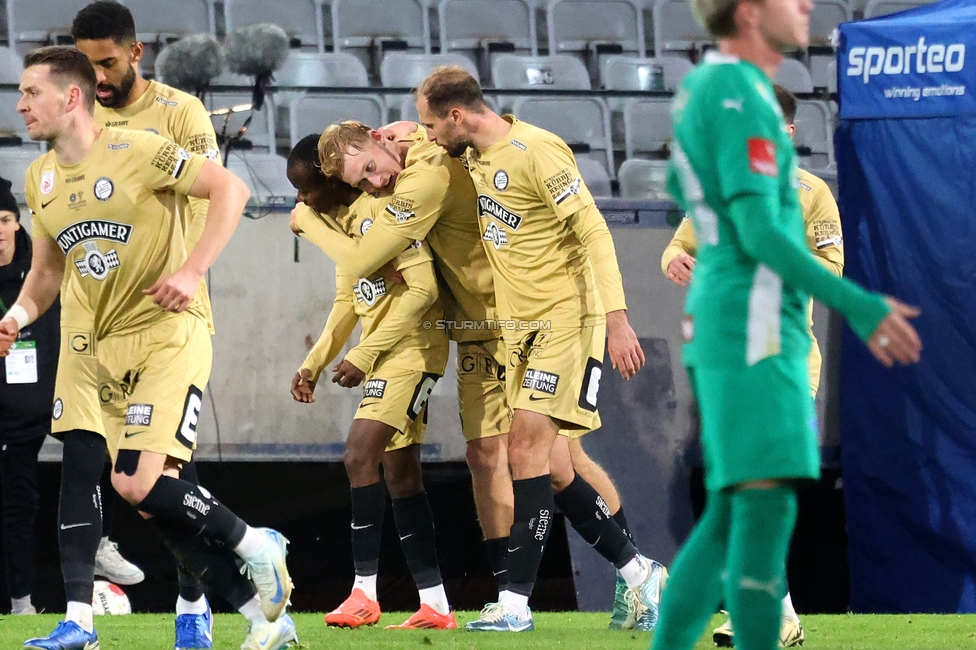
762, 157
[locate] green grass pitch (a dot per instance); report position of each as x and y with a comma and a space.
562, 630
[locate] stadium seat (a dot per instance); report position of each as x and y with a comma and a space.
312, 69
644, 179
180, 18
814, 130
594, 175
826, 16
675, 28
14, 162
876, 8
11, 66
794, 76
11, 122
594, 29
31, 22
408, 69
370, 28
480, 29
312, 113
261, 132
301, 19
634, 73
580, 121
647, 127
265, 176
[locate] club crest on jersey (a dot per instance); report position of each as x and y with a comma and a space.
47, 181
488, 206
501, 180
93, 229
365, 226
104, 188
58, 409
369, 291
95, 263
496, 235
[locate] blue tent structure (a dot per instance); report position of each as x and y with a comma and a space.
906, 156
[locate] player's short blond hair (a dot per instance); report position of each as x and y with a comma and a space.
716, 16
336, 140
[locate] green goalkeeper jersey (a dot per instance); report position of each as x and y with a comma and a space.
730, 140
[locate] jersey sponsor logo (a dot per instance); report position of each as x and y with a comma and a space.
543, 525
47, 182
867, 62
516, 143
96, 263
195, 502
171, 159
365, 226
488, 206
827, 233
93, 229
563, 185
139, 415
117, 123
203, 144
496, 235
539, 380
501, 180
401, 208
104, 188
369, 291
81, 343
152, 130
75, 179
374, 389
806, 187
121, 146
166, 102
762, 157
58, 409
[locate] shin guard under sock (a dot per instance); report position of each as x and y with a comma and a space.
194, 509
80, 512
533, 520
498, 560
368, 507
588, 513
415, 523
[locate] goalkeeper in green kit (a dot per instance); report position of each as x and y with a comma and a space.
733, 170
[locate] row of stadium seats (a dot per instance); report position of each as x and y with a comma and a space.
478, 29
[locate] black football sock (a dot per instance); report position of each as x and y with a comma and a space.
207, 561
621, 520
368, 506
191, 588
80, 512
194, 509
415, 523
498, 560
530, 530
590, 516
109, 498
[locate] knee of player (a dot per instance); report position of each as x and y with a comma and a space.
486, 456
358, 462
127, 480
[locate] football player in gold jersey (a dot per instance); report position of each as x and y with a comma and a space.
556, 275
398, 361
107, 206
825, 239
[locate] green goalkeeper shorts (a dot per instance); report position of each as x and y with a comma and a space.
757, 422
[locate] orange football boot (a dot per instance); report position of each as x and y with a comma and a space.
355, 611
427, 618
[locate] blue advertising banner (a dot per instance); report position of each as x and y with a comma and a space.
910, 64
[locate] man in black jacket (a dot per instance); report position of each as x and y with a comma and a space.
26, 391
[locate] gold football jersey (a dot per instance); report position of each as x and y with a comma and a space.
434, 201
386, 338
532, 207
116, 216
179, 117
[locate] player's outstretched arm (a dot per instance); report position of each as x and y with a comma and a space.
868, 313
420, 295
338, 328
359, 257
41, 287
678, 259
228, 195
